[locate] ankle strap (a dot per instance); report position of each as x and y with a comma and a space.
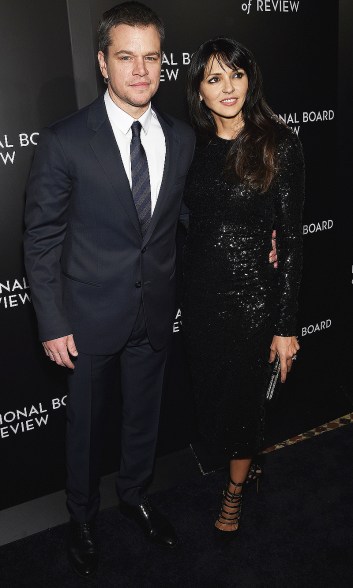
236, 484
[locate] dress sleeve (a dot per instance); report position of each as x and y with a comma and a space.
289, 200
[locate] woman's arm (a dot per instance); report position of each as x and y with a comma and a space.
289, 199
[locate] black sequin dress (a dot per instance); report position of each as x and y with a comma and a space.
234, 300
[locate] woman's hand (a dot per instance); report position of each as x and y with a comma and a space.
286, 348
273, 253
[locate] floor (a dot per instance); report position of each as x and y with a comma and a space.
182, 466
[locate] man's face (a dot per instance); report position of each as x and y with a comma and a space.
133, 66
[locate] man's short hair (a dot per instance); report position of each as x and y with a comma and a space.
133, 14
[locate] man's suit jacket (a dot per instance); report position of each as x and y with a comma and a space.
85, 256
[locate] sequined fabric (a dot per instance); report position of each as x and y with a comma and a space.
234, 300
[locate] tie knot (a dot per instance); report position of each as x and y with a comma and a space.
136, 129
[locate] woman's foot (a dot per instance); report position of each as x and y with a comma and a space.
228, 518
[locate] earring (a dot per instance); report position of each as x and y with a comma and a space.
200, 98
106, 81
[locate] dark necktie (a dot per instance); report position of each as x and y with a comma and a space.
140, 178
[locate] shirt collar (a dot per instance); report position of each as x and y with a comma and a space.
122, 119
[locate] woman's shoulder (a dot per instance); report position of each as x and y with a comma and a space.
285, 137
288, 148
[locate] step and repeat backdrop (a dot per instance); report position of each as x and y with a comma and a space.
296, 45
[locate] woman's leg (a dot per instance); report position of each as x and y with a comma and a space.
228, 519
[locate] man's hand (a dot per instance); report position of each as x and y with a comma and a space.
58, 350
273, 255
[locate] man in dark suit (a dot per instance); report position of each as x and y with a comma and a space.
103, 202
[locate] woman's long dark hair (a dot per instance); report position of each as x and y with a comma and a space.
252, 156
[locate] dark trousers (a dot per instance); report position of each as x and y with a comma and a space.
142, 371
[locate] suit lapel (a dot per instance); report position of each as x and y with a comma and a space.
171, 142
107, 152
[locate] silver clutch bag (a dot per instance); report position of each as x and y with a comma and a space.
274, 374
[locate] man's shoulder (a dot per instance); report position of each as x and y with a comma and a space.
180, 127
79, 118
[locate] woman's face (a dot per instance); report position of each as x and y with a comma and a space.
223, 89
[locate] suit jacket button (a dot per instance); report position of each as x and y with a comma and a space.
144, 250
137, 284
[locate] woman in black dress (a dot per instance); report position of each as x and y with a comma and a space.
239, 312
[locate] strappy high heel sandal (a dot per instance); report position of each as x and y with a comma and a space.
230, 510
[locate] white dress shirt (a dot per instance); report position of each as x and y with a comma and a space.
152, 139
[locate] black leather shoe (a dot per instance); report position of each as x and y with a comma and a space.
82, 548
157, 528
